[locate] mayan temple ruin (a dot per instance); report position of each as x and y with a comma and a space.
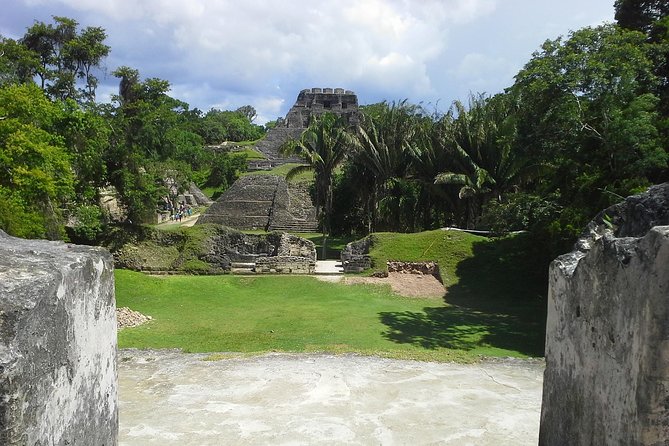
269, 202
310, 102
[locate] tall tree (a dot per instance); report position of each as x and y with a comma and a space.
36, 179
480, 138
588, 105
640, 15
324, 145
86, 51
18, 64
66, 55
387, 139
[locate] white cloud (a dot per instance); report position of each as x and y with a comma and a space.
254, 45
262, 52
481, 73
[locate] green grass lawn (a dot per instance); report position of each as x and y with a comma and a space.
494, 305
296, 314
251, 153
502, 280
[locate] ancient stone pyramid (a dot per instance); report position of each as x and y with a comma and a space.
310, 102
264, 202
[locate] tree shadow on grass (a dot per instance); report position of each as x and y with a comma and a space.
461, 328
499, 301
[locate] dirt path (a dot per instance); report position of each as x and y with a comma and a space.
185, 222
409, 285
170, 398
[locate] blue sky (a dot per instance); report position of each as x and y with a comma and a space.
229, 53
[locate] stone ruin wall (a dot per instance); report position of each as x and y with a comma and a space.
58, 382
316, 101
607, 336
284, 265
355, 255
275, 253
218, 246
310, 102
419, 268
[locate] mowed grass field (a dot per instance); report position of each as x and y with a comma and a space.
493, 307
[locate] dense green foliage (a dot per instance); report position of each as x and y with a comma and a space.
217, 126
585, 123
58, 147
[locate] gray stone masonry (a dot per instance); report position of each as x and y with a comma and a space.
316, 101
310, 102
245, 205
58, 383
200, 198
355, 255
293, 246
420, 268
265, 202
607, 337
272, 142
285, 265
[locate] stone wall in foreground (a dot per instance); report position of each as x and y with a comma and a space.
58, 383
607, 334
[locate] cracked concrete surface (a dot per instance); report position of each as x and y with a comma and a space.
171, 398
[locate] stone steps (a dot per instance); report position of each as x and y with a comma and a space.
295, 227
329, 268
243, 267
242, 271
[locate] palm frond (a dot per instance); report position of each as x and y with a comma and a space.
297, 170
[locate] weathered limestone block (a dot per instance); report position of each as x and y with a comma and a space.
285, 265
607, 334
294, 246
422, 268
199, 196
58, 383
357, 263
355, 255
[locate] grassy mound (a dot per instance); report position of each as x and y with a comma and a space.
200, 249
500, 282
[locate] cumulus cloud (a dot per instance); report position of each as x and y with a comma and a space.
262, 45
227, 53
481, 73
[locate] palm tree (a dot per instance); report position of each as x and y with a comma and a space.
324, 145
385, 142
480, 140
